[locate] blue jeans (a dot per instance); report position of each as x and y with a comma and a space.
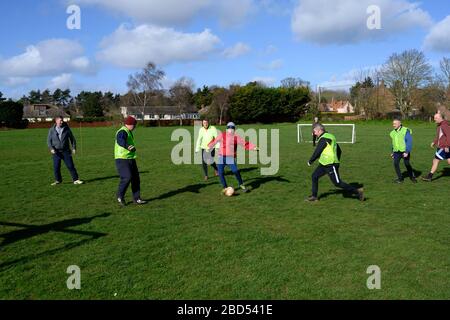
129, 173
231, 162
65, 156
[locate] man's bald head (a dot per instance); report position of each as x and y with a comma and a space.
396, 123
438, 118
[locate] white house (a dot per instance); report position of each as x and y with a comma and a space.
339, 107
161, 113
43, 113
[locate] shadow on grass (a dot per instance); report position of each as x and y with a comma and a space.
249, 169
30, 231
228, 172
417, 174
257, 182
344, 193
444, 173
195, 188
108, 178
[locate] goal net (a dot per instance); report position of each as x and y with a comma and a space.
344, 133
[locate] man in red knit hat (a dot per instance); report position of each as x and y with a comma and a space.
125, 155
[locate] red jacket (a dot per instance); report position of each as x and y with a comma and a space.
229, 143
442, 139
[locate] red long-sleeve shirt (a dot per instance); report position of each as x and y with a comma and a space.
442, 139
228, 144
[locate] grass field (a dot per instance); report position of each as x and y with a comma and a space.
190, 242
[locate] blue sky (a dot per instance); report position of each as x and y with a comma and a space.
214, 42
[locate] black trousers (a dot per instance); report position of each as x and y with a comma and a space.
205, 155
65, 156
129, 173
399, 156
333, 173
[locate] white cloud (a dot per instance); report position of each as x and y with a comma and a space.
439, 37
81, 63
134, 48
237, 50
176, 12
343, 21
63, 81
154, 11
167, 82
233, 13
273, 65
16, 81
270, 49
268, 81
47, 58
346, 80
277, 7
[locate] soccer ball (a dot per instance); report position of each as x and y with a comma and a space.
229, 191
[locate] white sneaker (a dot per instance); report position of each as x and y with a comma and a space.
121, 202
140, 201
244, 188
78, 182
55, 183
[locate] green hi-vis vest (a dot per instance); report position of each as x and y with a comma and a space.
329, 154
122, 153
398, 139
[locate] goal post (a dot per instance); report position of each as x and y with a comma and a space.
345, 133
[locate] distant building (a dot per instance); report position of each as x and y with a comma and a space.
43, 113
338, 107
161, 113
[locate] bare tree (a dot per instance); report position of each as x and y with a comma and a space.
430, 98
294, 83
363, 74
142, 85
221, 98
445, 69
403, 73
182, 92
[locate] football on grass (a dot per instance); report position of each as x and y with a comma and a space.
229, 191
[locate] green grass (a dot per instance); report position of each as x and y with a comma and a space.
190, 242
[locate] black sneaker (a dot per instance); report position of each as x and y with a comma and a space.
361, 194
121, 202
311, 199
427, 179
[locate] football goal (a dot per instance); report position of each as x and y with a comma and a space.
345, 133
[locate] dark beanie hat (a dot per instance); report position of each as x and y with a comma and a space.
131, 121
